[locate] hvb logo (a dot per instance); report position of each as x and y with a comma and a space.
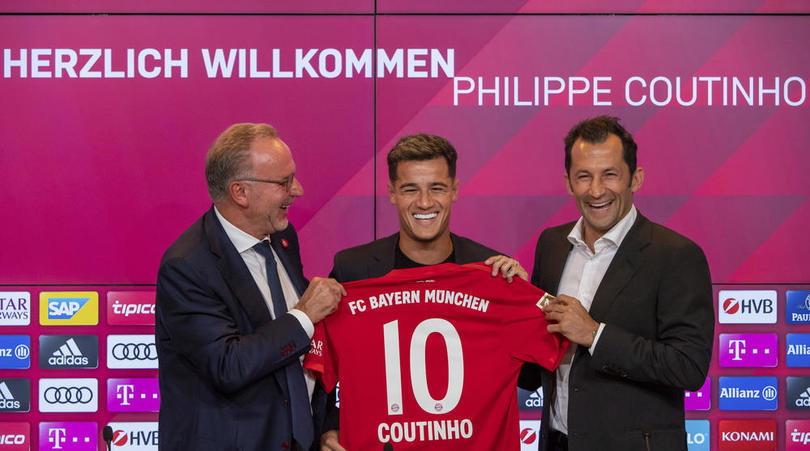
798, 393
748, 393
747, 306
68, 308
15, 352
15, 395
68, 351
747, 435
133, 395
797, 353
15, 308
135, 436
699, 400
798, 307
15, 437
748, 350
698, 437
529, 431
68, 436
131, 308
797, 435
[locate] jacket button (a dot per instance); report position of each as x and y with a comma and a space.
576, 389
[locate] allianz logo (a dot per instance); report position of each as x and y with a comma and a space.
7, 400
768, 393
68, 354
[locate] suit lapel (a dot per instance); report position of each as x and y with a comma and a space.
551, 271
382, 261
284, 255
625, 264
235, 273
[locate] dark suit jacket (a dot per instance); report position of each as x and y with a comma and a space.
656, 302
221, 357
376, 259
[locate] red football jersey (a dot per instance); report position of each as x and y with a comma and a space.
428, 358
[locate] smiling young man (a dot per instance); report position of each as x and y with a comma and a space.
635, 299
423, 187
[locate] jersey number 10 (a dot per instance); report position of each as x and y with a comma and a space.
393, 375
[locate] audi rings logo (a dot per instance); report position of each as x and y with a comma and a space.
68, 395
132, 351
135, 351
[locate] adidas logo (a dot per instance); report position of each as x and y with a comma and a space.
7, 400
68, 354
535, 399
803, 401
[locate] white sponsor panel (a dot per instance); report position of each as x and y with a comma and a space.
68, 395
529, 435
131, 351
747, 306
15, 308
135, 436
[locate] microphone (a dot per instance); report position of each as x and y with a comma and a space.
107, 435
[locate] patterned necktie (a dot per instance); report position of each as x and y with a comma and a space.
296, 385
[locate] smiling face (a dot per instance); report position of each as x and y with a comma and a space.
423, 193
268, 203
601, 183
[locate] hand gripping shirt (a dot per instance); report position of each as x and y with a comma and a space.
428, 358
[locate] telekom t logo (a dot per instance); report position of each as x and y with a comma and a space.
125, 393
748, 350
57, 437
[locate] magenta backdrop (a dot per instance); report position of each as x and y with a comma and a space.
101, 175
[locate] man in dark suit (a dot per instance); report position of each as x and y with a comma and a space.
234, 313
423, 186
635, 300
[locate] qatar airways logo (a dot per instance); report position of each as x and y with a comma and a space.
68, 436
747, 435
131, 308
748, 350
747, 307
133, 395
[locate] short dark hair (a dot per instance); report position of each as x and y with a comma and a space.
421, 147
229, 155
596, 130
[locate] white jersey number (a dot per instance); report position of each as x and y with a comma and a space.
393, 375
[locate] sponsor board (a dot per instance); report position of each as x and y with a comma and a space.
135, 436
131, 351
68, 351
746, 435
699, 400
529, 435
797, 350
797, 395
746, 307
15, 395
133, 395
15, 437
68, 308
530, 400
698, 435
15, 352
68, 436
748, 350
15, 308
797, 435
68, 395
797, 307
748, 393
131, 308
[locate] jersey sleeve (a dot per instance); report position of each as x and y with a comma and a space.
524, 331
321, 358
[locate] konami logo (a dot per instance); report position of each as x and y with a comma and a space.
15, 437
747, 435
131, 308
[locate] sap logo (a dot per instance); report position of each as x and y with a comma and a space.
747, 306
69, 308
15, 308
798, 307
12, 439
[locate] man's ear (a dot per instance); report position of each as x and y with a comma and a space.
238, 192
